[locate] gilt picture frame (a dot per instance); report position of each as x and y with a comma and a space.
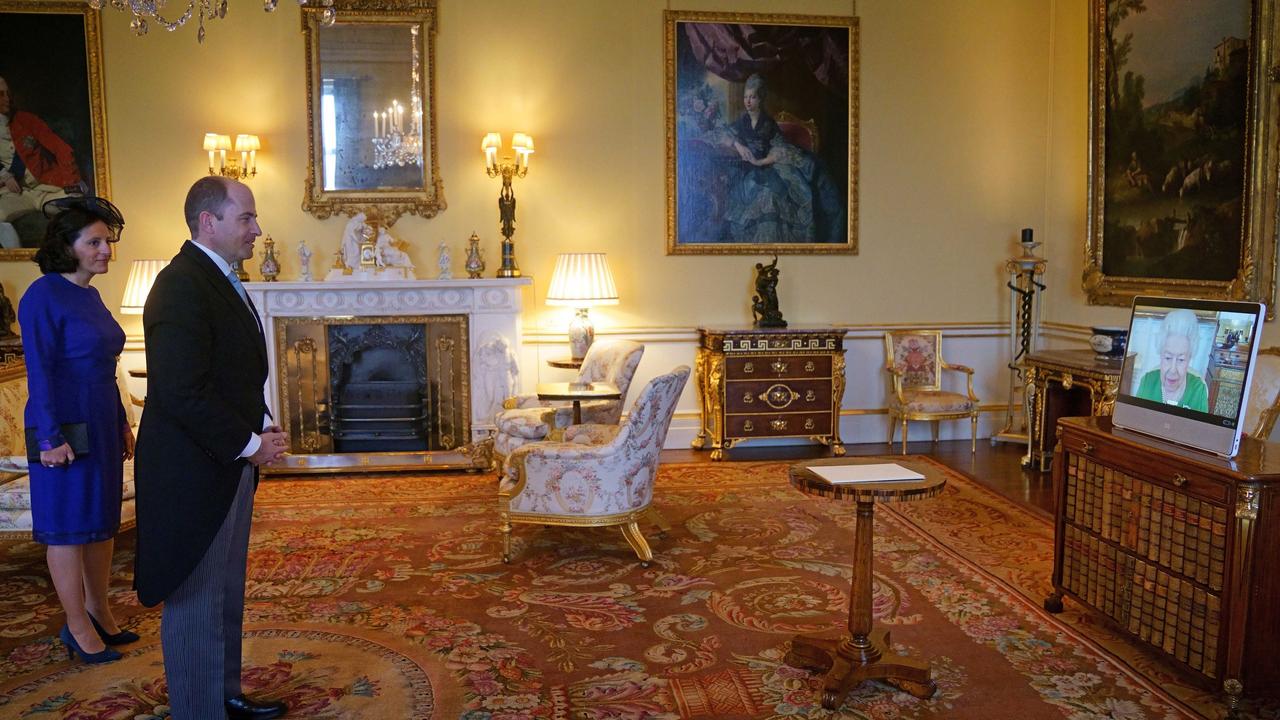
378, 52
1182, 151
761, 133
57, 106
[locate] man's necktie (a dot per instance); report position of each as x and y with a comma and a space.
244, 295
235, 283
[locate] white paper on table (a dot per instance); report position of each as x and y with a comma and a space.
882, 472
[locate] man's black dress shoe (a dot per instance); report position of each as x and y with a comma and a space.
242, 708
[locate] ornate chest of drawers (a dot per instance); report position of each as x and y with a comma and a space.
1176, 547
769, 383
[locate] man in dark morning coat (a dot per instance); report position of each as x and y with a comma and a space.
205, 431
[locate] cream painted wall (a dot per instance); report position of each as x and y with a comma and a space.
957, 151
1067, 172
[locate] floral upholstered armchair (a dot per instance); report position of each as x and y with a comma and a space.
1263, 406
914, 364
526, 419
600, 475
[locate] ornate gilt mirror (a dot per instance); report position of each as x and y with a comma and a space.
371, 110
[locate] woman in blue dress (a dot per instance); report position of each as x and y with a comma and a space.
71, 343
783, 194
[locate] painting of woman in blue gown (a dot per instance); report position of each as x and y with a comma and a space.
762, 121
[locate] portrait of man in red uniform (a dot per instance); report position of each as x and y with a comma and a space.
52, 117
47, 157
36, 165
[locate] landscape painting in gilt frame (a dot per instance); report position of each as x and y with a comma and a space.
53, 101
1181, 159
762, 133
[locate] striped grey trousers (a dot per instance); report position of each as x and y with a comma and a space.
200, 625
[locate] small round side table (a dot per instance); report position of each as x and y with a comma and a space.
576, 393
863, 653
565, 363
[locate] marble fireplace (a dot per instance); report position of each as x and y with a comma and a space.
387, 375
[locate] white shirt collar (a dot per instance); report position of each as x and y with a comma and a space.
223, 265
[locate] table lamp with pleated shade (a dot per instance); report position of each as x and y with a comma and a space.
581, 280
142, 274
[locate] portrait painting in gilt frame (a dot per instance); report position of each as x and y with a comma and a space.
762, 133
53, 137
1182, 162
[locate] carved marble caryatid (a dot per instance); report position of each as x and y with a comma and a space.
496, 373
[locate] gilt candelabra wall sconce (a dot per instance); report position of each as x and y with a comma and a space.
508, 168
247, 146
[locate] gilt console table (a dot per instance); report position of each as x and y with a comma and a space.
1064, 383
769, 383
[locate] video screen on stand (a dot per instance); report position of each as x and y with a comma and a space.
1190, 358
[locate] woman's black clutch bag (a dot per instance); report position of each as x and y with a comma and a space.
76, 435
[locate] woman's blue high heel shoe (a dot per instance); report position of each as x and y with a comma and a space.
73, 649
124, 637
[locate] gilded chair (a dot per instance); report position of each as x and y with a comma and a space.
600, 475
914, 365
1263, 405
801, 133
525, 418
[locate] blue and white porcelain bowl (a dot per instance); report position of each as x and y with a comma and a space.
1109, 342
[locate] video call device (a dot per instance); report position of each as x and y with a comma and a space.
1187, 370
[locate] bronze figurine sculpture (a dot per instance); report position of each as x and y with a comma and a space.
764, 304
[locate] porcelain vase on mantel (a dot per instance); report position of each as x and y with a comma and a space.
475, 257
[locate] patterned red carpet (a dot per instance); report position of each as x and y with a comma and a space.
386, 598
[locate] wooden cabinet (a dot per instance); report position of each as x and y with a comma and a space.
769, 383
1176, 547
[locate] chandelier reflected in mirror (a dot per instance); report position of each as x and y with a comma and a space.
395, 143
147, 11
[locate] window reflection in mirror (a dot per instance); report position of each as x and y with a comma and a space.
371, 107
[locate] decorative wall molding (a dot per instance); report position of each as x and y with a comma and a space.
1065, 331
677, 334
864, 416
981, 345
388, 298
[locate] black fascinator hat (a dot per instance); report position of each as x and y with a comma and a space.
100, 208
67, 217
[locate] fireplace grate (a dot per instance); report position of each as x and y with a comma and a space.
354, 388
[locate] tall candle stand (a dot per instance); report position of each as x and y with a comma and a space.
1025, 285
